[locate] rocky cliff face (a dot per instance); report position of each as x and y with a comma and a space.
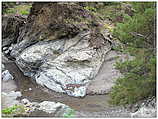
62, 47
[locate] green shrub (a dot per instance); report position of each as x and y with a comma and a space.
18, 9
10, 11
90, 8
24, 12
140, 23
69, 114
13, 109
139, 81
132, 88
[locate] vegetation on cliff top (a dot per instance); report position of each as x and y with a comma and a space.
12, 8
138, 34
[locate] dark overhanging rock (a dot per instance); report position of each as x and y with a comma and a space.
56, 19
50, 21
11, 27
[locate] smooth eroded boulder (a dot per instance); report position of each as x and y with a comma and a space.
63, 67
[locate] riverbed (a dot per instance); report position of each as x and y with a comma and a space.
34, 92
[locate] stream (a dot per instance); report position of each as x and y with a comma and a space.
36, 93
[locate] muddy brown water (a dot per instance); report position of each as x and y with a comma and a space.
91, 103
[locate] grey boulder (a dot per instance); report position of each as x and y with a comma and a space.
51, 107
6, 76
65, 66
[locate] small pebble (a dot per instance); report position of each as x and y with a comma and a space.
5, 48
6, 52
25, 101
